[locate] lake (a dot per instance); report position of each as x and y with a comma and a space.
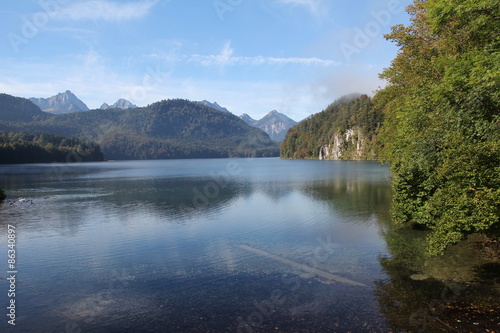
217, 245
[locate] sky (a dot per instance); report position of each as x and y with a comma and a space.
250, 56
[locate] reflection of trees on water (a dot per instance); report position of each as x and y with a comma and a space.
353, 196
438, 294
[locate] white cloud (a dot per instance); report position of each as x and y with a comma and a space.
106, 10
226, 58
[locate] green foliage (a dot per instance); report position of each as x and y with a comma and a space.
441, 133
349, 112
18, 147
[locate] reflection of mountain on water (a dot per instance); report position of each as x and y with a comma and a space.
175, 197
185, 196
274, 190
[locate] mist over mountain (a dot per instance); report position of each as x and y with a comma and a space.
65, 102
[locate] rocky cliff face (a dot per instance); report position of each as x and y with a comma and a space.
350, 145
65, 102
346, 130
275, 124
120, 104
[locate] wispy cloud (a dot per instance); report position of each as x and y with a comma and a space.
106, 10
226, 58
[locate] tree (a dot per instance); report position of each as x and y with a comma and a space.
441, 133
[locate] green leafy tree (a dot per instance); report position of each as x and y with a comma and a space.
441, 133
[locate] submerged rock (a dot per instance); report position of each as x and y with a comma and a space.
419, 277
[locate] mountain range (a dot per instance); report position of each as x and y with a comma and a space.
275, 124
119, 104
167, 129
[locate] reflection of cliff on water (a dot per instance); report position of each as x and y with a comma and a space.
456, 292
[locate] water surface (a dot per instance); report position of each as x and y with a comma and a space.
223, 245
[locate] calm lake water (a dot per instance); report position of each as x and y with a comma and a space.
222, 245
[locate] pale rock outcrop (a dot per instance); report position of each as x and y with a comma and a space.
351, 143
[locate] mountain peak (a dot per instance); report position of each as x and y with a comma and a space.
247, 119
119, 104
65, 102
213, 105
275, 124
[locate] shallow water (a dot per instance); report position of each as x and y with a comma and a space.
223, 245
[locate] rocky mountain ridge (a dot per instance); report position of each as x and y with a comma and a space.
119, 104
65, 102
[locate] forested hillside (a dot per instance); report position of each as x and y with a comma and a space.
441, 133
346, 129
17, 109
18, 147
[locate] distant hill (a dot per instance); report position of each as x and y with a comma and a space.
346, 129
120, 104
65, 102
17, 109
275, 124
213, 105
167, 129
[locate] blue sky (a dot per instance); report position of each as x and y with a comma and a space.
251, 56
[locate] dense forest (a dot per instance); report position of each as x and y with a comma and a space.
18, 147
167, 129
346, 129
441, 133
